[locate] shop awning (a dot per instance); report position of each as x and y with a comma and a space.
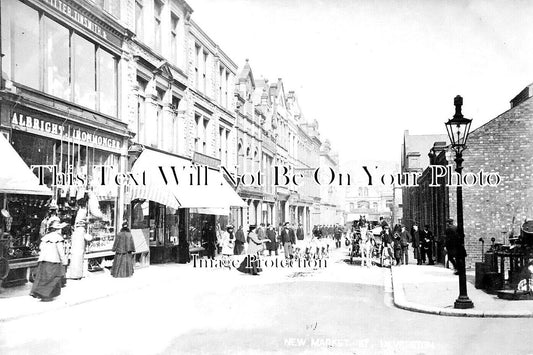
155, 189
15, 176
217, 194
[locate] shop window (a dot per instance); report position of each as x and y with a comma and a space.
107, 86
84, 72
56, 65
20, 37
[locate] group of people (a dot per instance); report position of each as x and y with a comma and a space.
421, 240
287, 238
396, 242
56, 263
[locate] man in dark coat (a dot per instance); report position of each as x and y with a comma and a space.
415, 235
426, 245
300, 232
452, 243
405, 239
272, 245
286, 240
239, 242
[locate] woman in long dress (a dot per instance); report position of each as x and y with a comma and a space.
228, 245
52, 258
123, 248
77, 248
250, 264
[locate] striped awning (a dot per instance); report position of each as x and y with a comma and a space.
213, 192
155, 189
15, 176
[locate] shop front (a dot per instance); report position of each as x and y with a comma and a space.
182, 207
74, 163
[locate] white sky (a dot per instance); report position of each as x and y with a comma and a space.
368, 70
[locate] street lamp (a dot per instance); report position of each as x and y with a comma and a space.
458, 128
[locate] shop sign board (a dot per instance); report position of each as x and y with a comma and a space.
67, 132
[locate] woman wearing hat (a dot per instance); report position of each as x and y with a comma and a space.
250, 265
50, 270
123, 248
228, 244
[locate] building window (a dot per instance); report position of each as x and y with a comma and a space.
199, 126
204, 72
111, 6
139, 19
174, 21
107, 84
56, 59
20, 37
222, 77
175, 131
204, 137
226, 85
158, 9
84, 72
70, 65
197, 66
226, 148
141, 107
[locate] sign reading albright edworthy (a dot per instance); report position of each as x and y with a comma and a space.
67, 132
67, 8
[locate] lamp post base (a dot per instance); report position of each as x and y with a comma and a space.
463, 302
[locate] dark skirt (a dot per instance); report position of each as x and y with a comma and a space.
239, 248
272, 246
48, 280
249, 266
122, 265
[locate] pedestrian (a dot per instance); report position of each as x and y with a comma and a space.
239, 241
286, 240
47, 221
405, 239
210, 240
251, 263
452, 243
228, 245
272, 245
261, 232
415, 235
338, 235
50, 270
124, 248
426, 245
78, 241
388, 243
397, 245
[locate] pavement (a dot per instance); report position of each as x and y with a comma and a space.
434, 289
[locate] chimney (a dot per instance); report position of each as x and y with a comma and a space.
522, 96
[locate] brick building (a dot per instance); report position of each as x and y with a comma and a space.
503, 146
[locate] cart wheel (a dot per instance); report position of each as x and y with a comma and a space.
523, 286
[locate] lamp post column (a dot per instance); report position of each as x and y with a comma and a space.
462, 302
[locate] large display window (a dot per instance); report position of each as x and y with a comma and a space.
86, 75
